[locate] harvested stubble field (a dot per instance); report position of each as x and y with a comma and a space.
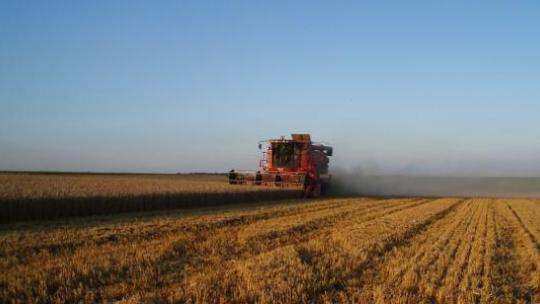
49, 196
361, 250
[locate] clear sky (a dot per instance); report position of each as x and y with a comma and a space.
397, 87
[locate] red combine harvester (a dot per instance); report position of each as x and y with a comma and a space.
296, 162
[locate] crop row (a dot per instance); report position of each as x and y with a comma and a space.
335, 250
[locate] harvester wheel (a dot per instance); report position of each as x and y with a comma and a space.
279, 182
258, 178
233, 177
324, 188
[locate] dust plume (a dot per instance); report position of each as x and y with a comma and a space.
360, 182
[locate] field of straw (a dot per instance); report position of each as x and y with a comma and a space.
49, 196
360, 250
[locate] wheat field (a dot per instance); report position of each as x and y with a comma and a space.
49, 196
361, 250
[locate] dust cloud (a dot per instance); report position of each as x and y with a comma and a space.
360, 182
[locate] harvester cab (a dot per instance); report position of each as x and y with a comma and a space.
295, 163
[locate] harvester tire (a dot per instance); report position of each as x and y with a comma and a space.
258, 178
324, 188
278, 181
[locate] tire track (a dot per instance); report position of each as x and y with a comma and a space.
349, 280
367, 214
155, 264
339, 250
432, 264
233, 249
491, 247
469, 285
424, 287
274, 226
202, 260
389, 275
454, 271
196, 225
524, 227
508, 276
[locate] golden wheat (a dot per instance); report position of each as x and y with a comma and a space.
363, 250
47, 196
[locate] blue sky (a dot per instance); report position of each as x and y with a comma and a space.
397, 87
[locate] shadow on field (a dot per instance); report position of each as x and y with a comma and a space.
53, 208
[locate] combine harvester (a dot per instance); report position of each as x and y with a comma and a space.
297, 162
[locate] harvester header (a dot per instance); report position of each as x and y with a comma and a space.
295, 162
